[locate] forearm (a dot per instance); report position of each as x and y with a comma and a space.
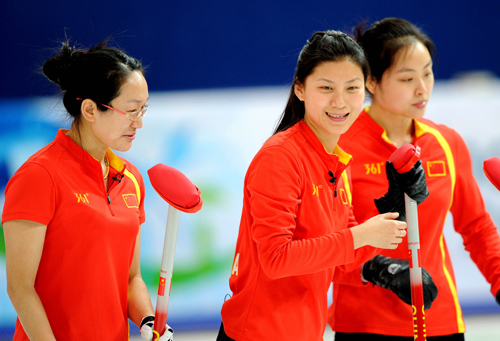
381, 231
300, 257
139, 302
31, 313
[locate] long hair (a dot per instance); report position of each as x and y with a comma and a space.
328, 46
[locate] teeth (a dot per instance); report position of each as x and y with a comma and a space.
337, 116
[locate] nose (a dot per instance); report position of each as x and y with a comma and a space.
137, 124
421, 89
337, 100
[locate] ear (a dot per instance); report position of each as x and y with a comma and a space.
298, 89
371, 85
89, 110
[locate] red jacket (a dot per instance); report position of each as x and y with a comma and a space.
293, 233
83, 275
452, 187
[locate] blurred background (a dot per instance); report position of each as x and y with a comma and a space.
219, 74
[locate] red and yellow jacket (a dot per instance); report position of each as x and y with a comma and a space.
452, 187
293, 233
83, 275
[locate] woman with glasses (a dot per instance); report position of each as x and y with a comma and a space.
73, 210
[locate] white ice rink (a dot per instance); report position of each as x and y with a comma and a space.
479, 328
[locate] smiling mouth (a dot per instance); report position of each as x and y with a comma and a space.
337, 116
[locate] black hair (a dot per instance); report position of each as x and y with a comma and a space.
327, 46
385, 38
97, 74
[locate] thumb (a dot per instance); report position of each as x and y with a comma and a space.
147, 333
390, 215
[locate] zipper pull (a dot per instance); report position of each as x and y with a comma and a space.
333, 180
109, 200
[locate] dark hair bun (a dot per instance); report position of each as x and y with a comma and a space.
58, 69
96, 74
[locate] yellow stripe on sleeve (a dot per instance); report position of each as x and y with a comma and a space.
421, 128
347, 187
136, 184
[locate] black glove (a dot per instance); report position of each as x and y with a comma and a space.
412, 183
498, 297
394, 274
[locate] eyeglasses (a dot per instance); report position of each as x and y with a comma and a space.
134, 115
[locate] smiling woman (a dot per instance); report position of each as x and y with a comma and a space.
333, 96
297, 225
72, 237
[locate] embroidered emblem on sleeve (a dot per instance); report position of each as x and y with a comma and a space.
236, 265
130, 200
436, 168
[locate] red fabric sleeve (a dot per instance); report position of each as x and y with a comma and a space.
348, 278
273, 186
361, 255
142, 214
472, 221
30, 195
352, 220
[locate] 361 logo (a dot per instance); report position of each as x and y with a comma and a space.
316, 190
82, 198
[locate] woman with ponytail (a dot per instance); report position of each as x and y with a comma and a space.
73, 210
297, 225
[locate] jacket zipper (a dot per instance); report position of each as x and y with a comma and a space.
333, 180
107, 195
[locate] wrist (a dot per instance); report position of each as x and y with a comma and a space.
358, 236
147, 319
363, 280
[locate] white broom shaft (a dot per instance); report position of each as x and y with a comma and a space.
167, 267
417, 297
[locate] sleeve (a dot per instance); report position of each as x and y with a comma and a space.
348, 188
361, 255
142, 212
273, 187
30, 195
353, 277
472, 221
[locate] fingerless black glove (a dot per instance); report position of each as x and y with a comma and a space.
394, 274
412, 183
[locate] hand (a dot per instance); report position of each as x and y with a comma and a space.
498, 297
147, 330
412, 183
382, 231
394, 274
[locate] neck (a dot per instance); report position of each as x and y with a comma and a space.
82, 137
329, 141
399, 129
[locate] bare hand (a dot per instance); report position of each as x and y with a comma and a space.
381, 231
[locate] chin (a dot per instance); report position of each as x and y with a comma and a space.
123, 148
